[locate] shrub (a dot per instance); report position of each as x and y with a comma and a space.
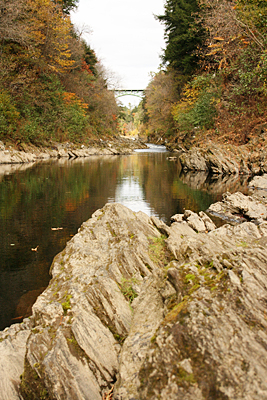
9, 115
197, 107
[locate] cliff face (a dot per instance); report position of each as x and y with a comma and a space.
226, 159
163, 312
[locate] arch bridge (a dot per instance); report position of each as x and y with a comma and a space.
129, 92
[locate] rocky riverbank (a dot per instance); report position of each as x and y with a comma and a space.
137, 309
26, 153
225, 159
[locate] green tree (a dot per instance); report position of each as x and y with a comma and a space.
184, 35
90, 57
67, 5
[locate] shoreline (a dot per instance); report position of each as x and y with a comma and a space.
223, 159
28, 153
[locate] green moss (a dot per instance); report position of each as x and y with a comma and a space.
184, 376
120, 339
194, 288
66, 304
72, 340
35, 331
173, 314
126, 287
153, 339
158, 250
189, 277
74, 346
100, 216
111, 230
148, 267
32, 384
242, 243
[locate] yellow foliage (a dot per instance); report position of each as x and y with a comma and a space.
188, 98
48, 31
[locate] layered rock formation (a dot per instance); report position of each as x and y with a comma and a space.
137, 309
224, 159
30, 153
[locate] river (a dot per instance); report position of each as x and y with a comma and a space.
43, 205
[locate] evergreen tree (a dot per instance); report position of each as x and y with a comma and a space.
184, 35
67, 5
90, 57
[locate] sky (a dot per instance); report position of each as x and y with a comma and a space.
126, 37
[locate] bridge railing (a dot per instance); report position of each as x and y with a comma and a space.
129, 92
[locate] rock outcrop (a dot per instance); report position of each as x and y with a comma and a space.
224, 159
29, 153
238, 208
142, 310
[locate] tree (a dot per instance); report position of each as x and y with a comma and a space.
90, 57
232, 26
12, 14
69, 5
184, 35
160, 96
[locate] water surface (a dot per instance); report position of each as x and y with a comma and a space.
43, 205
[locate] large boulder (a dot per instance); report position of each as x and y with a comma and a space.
238, 207
137, 309
211, 341
83, 317
193, 160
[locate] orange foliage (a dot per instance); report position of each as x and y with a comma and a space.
71, 98
86, 67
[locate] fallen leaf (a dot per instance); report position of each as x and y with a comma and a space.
56, 229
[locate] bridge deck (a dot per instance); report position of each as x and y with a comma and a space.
129, 92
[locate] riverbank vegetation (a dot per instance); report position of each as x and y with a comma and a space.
52, 86
212, 83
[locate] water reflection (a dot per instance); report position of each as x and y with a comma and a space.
129, 193
62, 194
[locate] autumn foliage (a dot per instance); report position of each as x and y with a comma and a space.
51, 85
224, 97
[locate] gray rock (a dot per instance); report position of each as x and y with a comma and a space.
193, 160
259, 182
209, 224
12, 354
237, 207
212, 342
82, 318
30, 153
177, 218
179, 316
194, 221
